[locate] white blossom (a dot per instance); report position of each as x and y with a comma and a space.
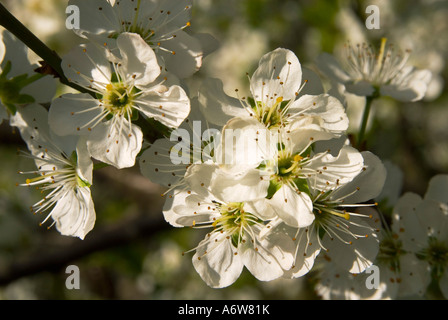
160, 23
64, 173
196, 141
286, 163
365, 72
278, 98
126, 87
421, 224
238, 238
346, 235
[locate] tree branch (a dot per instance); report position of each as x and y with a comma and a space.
120, 234
50, 57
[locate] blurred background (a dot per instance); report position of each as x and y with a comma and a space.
132, 253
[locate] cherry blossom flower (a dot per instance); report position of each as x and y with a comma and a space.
237, 239
365, 72
286, 163
125, 86
347, 236
394, 274
278, 97
421, 224
335, 283
64, 173
412, 251
160, 23
196, 141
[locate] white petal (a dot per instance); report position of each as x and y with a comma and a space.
308, 250
96, 17
250, 185
115, 143
300, 136
267, 258
87, 65
438, 188
17, 53
432, 216
75, 214
392, 186
219, 267
406, 224
323, 110
415, 276
127, 10
84, 162
111, 51
338, 91
2, 47
183, 209
27, 119
217, 106
167, 16
157, 166
138, 60
74, 114
260, 208
367, 185
185, 57
411, 88
209, 44
295, 209
170, 106
332, 146
335, 171
279, 74
32, 122
246, 143
199, 177
174, 199
354, 254
331, 68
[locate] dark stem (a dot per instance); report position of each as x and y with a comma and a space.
10, 23
365, 119
124, 233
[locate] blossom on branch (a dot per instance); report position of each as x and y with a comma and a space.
126, 87
64, 173
365, 72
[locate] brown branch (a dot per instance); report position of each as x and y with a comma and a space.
119, 234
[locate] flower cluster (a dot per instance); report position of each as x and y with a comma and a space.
124, 74
276, 183
413, 251
272, 176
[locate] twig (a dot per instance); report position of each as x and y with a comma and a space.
120, 234
50, 57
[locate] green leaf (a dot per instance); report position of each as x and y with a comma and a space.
302, 185
11, 107
235, 239
273, 188
251, 102
25, 99
6, 69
